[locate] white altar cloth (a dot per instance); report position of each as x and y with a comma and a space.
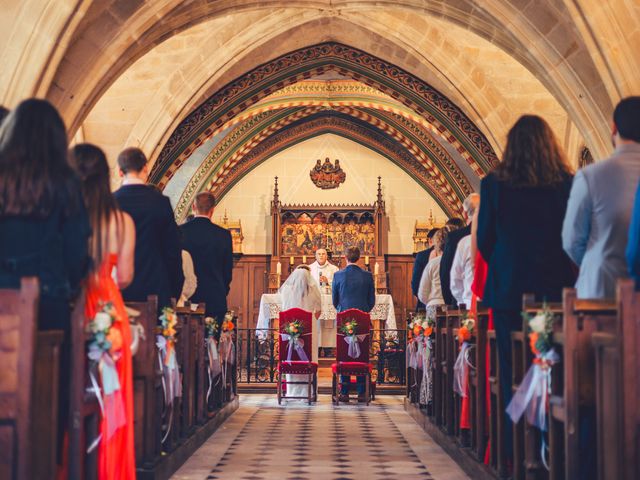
270, 305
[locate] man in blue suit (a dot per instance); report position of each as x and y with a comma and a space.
353, 288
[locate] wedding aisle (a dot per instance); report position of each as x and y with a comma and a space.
294, 441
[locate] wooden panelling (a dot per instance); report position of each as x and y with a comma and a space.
247, 286
400, 269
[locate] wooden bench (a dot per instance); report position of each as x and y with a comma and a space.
18, 324
478, 388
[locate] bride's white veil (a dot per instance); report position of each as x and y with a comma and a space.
300, 290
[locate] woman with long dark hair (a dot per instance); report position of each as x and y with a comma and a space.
112, 250
522, 205
43, 223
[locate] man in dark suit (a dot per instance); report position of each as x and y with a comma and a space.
211, 248
158, 257
353, 288
420, 262
449, 252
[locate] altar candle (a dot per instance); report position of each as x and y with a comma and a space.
366, 259
290, 260
304, 259
278, 268
376, 268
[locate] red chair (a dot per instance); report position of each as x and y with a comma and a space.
297, 365
346, 365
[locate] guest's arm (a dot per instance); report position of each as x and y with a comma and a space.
486, 233
172, 250
126, 252
76, 230
422, 258
577, 221
335, 292
633, 244
190, 280
457, 275
228, 265
371, 300
424, 290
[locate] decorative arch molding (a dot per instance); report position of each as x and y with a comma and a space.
226, 176
305, 63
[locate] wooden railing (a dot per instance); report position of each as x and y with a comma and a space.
594, 405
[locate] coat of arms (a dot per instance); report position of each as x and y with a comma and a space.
327, 175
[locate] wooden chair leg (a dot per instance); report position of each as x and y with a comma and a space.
309, 389
367, 387
315, 387
334, 390
279, 389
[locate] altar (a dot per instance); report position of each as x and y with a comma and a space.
270, 306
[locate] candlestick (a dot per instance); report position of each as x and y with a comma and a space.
376, 269
366, 259
290, 260
278, 268
304, 259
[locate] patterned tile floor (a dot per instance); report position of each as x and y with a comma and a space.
294, 441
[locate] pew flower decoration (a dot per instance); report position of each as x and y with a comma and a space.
292, 333
350, 331
532, 397
421, 326
210, 326
105, 349
461, 367
227, 324
165, 341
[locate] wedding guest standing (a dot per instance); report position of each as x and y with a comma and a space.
462, 268
158, 257
301, 291
429, 290
420, 262
112, 250
519, 233
353, 288
456, 234
44, 227
211, 249
596, 225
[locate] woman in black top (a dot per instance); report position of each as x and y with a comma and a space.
44, 228
522, 206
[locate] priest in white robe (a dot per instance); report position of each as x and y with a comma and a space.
321, 270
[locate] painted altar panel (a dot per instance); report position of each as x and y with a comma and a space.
303, 234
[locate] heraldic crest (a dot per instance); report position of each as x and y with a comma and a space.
327, 175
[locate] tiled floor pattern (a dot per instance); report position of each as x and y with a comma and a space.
294, 441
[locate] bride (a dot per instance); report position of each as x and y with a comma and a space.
300, 290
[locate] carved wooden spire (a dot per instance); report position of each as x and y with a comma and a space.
275, 203
380, 200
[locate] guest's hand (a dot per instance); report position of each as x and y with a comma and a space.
324, 279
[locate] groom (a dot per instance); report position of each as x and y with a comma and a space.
353, 288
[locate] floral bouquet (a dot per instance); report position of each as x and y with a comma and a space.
421, 326
461, 367
227, 323
292, 333
105, 349
227, 347
165, 341
350, 330
214, 368
532, 396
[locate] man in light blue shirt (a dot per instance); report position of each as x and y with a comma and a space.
596, 225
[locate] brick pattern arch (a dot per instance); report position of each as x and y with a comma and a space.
305, 63
221, 179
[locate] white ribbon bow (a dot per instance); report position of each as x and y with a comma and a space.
354, 344
297, 344
461, 369
533, 393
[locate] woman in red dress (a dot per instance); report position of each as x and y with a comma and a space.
112, 249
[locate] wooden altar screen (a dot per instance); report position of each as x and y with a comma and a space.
299, 230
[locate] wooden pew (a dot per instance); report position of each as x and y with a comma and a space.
532, 464
477, 388
452, 348
439, 356
617, 389
18, 324
84, 409
497, 449
581, 319
147, 387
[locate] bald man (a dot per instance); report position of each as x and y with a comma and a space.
321, 270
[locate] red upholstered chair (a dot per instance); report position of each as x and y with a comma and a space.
297, 365
346, 365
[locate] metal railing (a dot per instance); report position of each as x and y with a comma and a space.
258, 356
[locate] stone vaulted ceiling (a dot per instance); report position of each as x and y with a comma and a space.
220, 86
